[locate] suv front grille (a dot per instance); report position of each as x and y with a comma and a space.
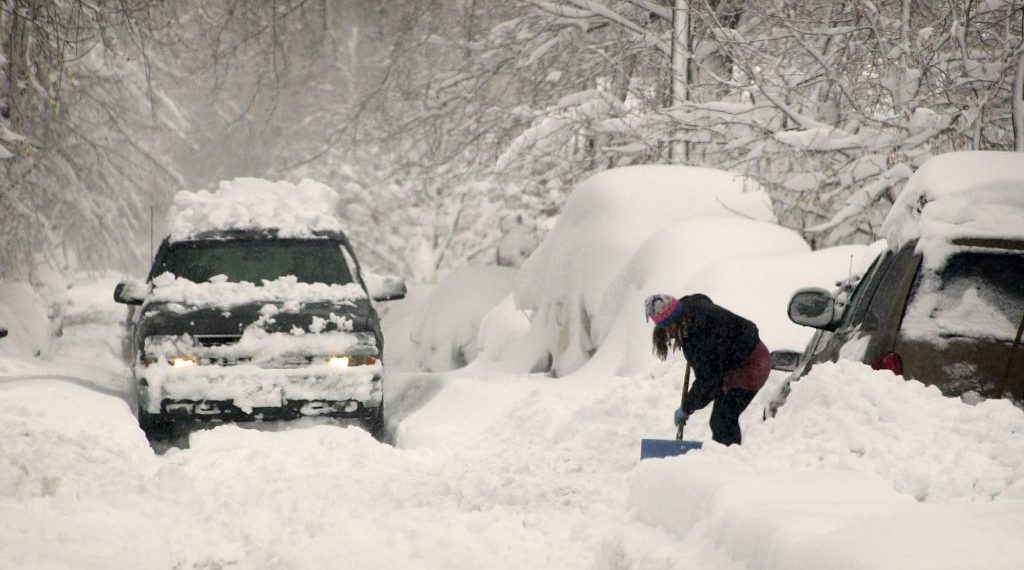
216, 339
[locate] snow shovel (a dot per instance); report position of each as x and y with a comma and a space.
657, 448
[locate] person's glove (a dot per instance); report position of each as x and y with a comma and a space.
680, 417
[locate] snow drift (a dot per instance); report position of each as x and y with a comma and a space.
606, 218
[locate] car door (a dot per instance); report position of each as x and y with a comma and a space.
872, 317
843, 341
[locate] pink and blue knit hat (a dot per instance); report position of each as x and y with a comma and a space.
662, 309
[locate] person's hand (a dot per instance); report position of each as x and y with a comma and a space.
680, 417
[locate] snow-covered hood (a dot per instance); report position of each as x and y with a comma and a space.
163, 318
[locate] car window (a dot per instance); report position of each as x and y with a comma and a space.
977, 294
854, 308
253, 261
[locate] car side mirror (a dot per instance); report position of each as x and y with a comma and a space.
131, 292
785, 360
3, 332
813, 307
385, 287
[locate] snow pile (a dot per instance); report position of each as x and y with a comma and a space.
672, 261
961, 194
930, 447
503, 342
855, 458
219, 292
445, 329
89, 299
23, 313
516, 244
294, 210
40, 417
603, 222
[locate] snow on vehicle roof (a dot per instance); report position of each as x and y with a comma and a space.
976, 194
294, 210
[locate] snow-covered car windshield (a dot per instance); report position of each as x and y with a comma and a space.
255, 261
978, 294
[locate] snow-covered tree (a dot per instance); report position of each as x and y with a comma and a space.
81, 135
831, 105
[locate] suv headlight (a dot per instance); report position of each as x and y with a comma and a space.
182, 361
178, 351
179, 361
348, 361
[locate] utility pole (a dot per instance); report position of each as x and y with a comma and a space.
680, 70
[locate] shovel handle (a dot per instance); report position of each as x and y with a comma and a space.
682, 399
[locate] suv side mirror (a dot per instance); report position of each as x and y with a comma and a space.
785, 360
3, 332
813, 307
130, 292
385, 287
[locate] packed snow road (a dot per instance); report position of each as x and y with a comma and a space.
457, 490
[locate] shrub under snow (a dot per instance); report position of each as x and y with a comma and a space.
444, 332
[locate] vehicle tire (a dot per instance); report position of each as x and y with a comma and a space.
160, 427
375, 423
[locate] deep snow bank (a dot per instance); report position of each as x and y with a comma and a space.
856, 457
444, 330
603, 222
668, 262
23, 313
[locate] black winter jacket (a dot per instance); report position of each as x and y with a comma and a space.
718, 341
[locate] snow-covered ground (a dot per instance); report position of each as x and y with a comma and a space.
488, 470
493, 466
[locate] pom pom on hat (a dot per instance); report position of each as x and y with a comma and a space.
662, 309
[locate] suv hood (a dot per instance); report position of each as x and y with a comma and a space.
160, 318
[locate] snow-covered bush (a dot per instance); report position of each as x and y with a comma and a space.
503, 343
607, 217
23, 313
443, 333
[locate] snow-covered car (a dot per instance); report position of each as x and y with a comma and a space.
943, 303
564, 285
252, 312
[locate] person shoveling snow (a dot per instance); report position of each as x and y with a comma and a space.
726, 353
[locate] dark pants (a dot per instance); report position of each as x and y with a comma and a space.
725, 415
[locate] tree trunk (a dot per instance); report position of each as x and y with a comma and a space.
680, 67
1018, 106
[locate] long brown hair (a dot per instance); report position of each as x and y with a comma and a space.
671, 336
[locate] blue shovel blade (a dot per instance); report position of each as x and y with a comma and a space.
655, 448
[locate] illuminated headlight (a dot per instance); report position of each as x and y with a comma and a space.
347, 361
183, 361
180, 361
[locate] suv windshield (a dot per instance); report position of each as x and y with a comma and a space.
254, 260
978, 294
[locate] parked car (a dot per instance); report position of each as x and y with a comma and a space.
943, 303
254, 324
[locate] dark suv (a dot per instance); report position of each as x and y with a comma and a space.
244, 325
944, 302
